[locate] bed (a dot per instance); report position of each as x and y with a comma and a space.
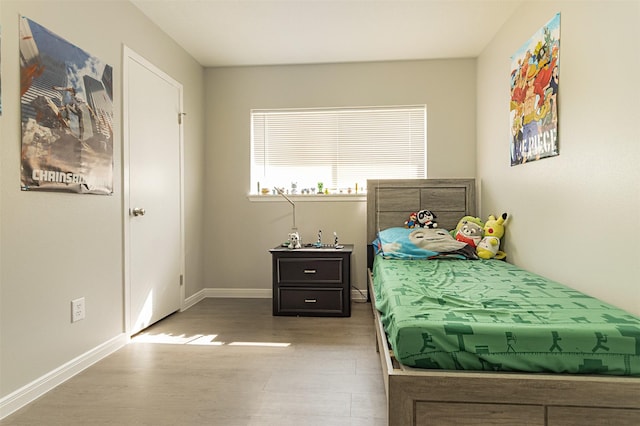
488, 386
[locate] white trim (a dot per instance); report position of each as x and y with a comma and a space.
249, 293
359, 295
192, 300
30, 392
239, 293
310, 198
126, 53
235, 293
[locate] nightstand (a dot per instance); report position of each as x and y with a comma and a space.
312, 281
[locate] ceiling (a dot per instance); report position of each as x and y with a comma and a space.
267, 32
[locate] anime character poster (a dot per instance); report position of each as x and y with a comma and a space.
534, 96
67, 115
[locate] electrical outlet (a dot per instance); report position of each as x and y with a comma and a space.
77, 309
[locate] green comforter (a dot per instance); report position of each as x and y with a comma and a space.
491, 315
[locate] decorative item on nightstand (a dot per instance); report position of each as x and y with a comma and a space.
320, 244
294, 241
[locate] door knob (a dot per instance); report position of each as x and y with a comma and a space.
138, 211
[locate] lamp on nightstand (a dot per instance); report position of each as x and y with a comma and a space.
294, 236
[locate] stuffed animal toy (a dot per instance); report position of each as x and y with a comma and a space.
412, 221
470, 233
489, 246
426, 218
469, 230
294, 240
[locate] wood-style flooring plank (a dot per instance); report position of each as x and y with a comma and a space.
228, 362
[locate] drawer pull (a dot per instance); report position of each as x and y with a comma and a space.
309, 271
310, 300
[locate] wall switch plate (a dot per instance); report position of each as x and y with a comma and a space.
77, 309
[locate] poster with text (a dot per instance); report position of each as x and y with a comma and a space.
66, 101
534, 96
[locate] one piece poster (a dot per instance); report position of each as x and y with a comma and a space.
67, 115
534, 96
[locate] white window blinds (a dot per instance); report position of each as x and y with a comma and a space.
340, 147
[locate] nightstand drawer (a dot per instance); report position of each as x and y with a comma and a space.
298, 301
313, 270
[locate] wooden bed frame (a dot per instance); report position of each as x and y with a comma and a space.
442, 397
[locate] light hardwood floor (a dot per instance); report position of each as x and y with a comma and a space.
328, 374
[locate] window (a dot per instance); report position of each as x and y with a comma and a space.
337, 147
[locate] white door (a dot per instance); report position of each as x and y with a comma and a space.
153, 207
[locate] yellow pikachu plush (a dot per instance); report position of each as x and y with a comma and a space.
489, 246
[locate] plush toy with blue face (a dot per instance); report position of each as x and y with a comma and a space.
437, 240
426, 219
420, 243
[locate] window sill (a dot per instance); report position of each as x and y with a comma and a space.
308, 197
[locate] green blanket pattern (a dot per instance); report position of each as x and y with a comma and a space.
491, 315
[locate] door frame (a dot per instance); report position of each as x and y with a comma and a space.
129, 55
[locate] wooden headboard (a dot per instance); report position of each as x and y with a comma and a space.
389, 202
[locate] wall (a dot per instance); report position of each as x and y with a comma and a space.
56, 246
573, 216
240, 232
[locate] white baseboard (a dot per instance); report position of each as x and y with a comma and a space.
359, 295
236, 293
255, 293
192, 300
30, 392
239, 293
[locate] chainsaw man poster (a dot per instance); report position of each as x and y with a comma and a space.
67, 115
534, 96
